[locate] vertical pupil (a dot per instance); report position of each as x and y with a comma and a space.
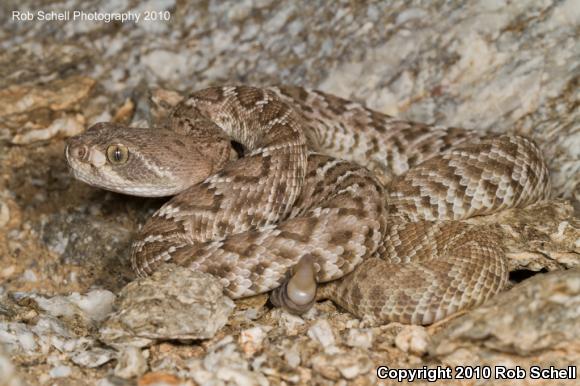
117, 154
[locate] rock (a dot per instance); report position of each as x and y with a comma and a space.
535, 322
4, 214
94, 357
95, 305
60, 371
160, 379
252, 339
544, 236
360, 337
112, 380
65, 127
31, 331
291, 323
292, 356
322, 333
174, 303
224, 364
100, 246
413, 339
341, 365
130, 363
60, 94
9, 375
29, 275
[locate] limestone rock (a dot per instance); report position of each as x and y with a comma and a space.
173, 303
224, 364
130, 363
94, 357
413, 339
544, 236
341, 365
33, 326
9, 375
94, 305
536, 321
58, 95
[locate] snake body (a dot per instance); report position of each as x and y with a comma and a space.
371, 205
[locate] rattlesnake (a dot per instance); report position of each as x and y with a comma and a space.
323, 190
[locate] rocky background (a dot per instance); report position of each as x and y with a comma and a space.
66, 314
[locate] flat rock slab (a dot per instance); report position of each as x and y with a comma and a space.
542, 237
535, 322
174, 303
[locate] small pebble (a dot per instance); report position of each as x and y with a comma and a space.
251, 314
93, 358
131, 363
4, 214
413, 339
96, 304
29, 276
322, 332
362, 338
60, 372
292, 356
252, 339
290, 323
158, 379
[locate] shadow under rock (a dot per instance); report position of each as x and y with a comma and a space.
97, 236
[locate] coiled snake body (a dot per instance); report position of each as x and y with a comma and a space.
327, 191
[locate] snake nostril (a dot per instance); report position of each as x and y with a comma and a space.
78, 151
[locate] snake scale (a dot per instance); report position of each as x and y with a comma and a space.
315, 196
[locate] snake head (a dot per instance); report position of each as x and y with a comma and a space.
142, 161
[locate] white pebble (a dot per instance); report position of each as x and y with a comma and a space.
56, 306
252, 339
93, 358
27, 342
97, 304
29, 276
362, 338
60, 371
251, 314
4, 214
322, 332
413, 339
292, 356
131, 363
290, 323
350, 372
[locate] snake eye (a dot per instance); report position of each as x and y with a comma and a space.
117, 154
